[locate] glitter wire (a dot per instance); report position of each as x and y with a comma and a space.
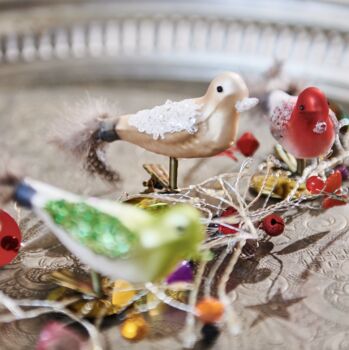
189, 330
213, 271
219, 191
229, 314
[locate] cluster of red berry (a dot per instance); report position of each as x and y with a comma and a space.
272, 224
332, 185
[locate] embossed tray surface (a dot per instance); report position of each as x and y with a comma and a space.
309, 302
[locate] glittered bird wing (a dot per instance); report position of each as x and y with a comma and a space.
116, 239
102, 226
102, 233
171, 117
99, 232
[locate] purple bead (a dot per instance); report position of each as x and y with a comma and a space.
183, 273
344, 171
56, 336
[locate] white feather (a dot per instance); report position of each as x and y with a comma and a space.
320, 127
246, 104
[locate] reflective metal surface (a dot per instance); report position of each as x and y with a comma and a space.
187, 41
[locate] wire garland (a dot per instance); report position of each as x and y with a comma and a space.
211, 197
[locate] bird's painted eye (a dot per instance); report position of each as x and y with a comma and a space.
220, 88
301, 107
180, 229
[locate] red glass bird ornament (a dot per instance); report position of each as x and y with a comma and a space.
304, 125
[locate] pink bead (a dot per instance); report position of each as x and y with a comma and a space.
56, 336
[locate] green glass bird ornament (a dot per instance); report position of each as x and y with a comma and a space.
116, 239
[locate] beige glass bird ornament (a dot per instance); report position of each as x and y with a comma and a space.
192, 128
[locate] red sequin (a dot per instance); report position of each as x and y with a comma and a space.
331, 202
333, 182
224, 229
247, 144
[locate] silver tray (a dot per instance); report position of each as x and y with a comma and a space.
53, 54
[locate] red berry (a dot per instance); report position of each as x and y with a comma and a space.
331, 202
247, 144
333, 182
227, 230
315, 185
10, 238
273, 225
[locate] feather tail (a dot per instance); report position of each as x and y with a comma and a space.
84, 133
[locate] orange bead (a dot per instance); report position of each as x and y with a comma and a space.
134, 328
209, 310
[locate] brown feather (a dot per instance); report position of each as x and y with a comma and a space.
77, 135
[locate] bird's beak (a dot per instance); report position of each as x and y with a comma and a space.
246, 104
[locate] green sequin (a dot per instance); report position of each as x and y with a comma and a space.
102, 233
